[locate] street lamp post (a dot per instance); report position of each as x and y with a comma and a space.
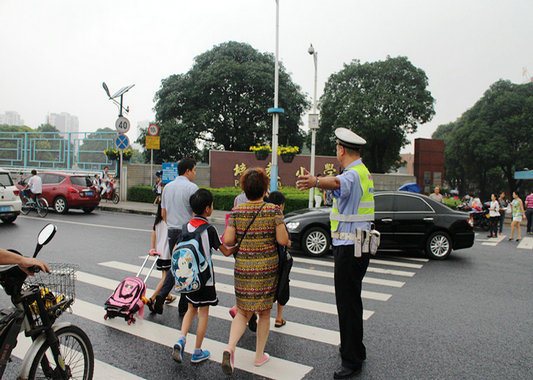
313, 124
275, 113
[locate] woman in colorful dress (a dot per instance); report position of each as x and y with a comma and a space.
256, 262
517, 210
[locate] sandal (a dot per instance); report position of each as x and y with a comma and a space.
170, 299
150, 304
266, 358
280, 323
228, 361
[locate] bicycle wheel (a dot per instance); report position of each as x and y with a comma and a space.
42, 208
25, 208
77, 352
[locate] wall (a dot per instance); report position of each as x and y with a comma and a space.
429, 163
139, 175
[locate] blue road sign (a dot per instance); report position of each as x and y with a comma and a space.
122, 142
170, 172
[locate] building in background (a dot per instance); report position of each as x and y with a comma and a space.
64, 122
429, 163
11, 118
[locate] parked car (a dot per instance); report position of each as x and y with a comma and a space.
64, 191
405, 221
10, 203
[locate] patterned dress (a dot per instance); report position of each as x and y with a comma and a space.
256, 262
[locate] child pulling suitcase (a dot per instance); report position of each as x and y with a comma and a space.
129, 297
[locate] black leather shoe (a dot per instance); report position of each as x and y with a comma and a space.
344, 373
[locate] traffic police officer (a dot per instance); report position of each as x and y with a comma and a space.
351, 217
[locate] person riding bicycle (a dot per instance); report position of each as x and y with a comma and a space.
34, 187
7, 258
105, 182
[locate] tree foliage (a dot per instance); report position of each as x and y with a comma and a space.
490, 141
222, 102
380, 101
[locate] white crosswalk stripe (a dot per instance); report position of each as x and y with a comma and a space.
154, 332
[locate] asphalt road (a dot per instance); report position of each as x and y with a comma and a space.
470, 316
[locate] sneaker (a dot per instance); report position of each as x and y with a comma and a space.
228, 361
158, 304
203, 355
177, 353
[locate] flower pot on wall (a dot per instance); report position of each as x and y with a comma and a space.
261, 155
287, 158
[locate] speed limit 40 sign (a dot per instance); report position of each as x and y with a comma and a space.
153, 129
122, 125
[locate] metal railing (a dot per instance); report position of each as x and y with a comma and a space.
52, 150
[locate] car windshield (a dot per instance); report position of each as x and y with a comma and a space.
5, 180
81, 181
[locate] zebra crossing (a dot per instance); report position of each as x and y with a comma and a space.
525, 243
385, 276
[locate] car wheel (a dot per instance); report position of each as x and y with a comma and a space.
439, 245
316, 241
60, 205
88, 210
9, 219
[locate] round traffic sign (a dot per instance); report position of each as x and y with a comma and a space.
122, 125
153, 129
122, 142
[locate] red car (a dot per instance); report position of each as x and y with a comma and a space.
64, 191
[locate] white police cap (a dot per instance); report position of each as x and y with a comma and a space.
349, 139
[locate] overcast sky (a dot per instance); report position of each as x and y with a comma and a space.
56, 53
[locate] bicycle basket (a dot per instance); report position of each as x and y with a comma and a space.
57, 287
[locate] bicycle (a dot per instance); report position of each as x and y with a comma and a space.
59, 350
40, 205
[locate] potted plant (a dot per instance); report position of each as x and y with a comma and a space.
261, 151
287, 153
111, 153
127, 154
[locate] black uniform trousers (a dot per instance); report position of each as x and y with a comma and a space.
174, 235
349, 273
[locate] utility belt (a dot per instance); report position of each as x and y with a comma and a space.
365, 241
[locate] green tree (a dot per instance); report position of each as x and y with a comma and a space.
380, 101
222, 102
492, 140
94, 144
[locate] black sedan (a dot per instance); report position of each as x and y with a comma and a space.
405, 220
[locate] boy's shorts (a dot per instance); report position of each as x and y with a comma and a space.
206, 296
162, 264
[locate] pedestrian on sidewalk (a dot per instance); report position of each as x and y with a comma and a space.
529, 212
494, 214
159, 247
503, 207
353, 211
255, 226
198, 302
176, 211
517, 209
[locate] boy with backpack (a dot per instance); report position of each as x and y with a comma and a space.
200, 300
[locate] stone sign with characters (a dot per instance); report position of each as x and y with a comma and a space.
227, 167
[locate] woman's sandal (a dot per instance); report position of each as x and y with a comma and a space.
228, 361
280, 323
170, 299
266, 358
150, 305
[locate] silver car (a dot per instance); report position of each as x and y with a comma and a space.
10, 203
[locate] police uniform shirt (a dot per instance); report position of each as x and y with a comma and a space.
348, 197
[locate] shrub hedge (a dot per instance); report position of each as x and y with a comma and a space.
224, 197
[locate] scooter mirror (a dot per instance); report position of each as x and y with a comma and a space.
44, 237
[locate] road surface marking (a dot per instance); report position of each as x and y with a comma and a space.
300, 303
277, 368
106, 226
294, 283
313, 272
294, 329
526, 243
102, 370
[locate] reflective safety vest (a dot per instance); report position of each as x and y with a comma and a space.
365, 211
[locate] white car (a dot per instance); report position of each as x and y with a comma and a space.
10, 202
